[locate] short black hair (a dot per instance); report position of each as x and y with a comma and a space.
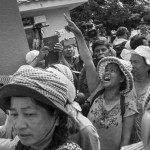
100, 42
121, 31
136, 41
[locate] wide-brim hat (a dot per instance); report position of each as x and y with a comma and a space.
4, 79
143, 51
44, 86
125, 67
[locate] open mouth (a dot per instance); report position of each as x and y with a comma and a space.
106, 78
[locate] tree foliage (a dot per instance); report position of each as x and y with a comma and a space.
113, 13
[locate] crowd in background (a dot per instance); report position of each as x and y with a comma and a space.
97, 99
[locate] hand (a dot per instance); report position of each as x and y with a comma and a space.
43, 52
71, 27
58, 47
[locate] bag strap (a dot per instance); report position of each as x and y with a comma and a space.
96, 95
122, 105
122, 102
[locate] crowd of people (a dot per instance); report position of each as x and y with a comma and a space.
95, 100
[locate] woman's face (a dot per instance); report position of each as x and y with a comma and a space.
31, 122
112, 76
139, 65
101, 51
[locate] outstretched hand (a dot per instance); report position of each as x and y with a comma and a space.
71, 27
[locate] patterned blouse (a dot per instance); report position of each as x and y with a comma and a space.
108, 121
69, 146
66, 146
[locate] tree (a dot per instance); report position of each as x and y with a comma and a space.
113, 13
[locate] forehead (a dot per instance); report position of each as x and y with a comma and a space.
112, 65
69, 46
101, 47
22, 103
136, 57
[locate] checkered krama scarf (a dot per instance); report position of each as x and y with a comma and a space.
48, 83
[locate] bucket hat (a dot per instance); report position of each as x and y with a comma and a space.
45, 86
143, 51
125, 67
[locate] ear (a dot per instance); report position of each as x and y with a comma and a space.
148, 68
57, 118
57, 121
122, 79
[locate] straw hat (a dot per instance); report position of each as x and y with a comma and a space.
125, 67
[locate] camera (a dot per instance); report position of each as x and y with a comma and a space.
89, 29
39, 26
92, 33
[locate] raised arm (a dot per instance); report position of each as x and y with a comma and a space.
91, 74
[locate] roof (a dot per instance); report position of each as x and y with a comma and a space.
29, 1
32, 5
